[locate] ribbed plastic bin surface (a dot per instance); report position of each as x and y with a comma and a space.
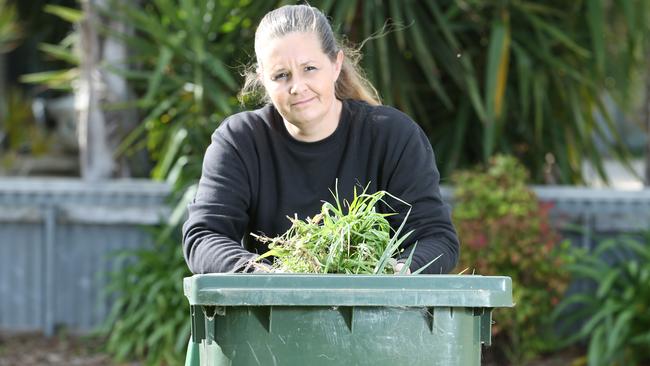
288, 319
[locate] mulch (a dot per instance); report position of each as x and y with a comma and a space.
34, 349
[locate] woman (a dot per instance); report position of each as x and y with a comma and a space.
324, 124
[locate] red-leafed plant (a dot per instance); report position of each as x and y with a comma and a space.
505, 230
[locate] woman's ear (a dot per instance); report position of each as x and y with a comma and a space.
338, 64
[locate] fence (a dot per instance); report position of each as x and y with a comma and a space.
56, 240
56, 237
585, 215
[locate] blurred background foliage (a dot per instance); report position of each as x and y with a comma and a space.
525, 78
38, 32
506, 231
612, 319
27, 38
519, 77
64, 52
10, 32
10, 35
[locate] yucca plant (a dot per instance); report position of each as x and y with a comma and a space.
187, 76
10, 32
65, 51
184, 57
519, 77
149, 318
612, 319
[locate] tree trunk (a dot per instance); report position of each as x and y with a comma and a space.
3, 88
101, 130
647, 127
96, 159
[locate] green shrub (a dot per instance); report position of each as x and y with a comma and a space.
184, 52
613, 318
150, 319
505, 230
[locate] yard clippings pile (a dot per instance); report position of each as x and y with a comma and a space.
358, 241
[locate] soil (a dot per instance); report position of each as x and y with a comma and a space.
33, 349
572, 356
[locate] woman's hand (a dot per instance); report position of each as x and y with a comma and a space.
397, 268
262, 268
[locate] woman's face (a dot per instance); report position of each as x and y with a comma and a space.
300, 79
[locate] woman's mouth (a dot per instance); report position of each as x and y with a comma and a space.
302, 102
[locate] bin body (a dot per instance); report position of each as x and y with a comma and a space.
257, 319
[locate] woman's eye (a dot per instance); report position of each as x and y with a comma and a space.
282, 75
310, 68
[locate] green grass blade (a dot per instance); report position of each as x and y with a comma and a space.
596, 21
427, 265
164, 60
59, 53
66, 13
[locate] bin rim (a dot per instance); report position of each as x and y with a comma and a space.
280, 289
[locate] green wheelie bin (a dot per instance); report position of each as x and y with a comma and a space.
374, 320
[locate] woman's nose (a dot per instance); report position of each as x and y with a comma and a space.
298, 86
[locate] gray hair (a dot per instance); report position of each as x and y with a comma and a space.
351, 83
297, 19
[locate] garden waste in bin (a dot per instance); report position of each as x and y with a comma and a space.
311, 320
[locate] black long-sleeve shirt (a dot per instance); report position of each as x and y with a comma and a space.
255, 175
